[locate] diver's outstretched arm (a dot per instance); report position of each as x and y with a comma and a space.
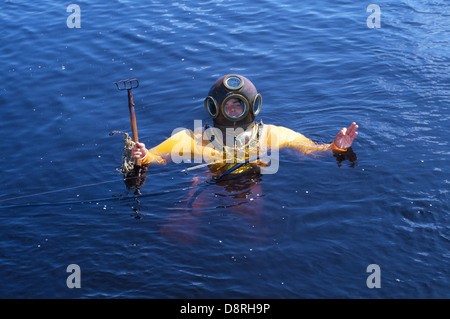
280, 137
181, 143
285, 137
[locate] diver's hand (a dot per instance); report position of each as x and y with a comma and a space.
139, 151
345, 137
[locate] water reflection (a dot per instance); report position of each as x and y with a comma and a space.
135, 179
240, 195
346, 156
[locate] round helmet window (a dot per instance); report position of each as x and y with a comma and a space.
211, 107
233, 82
234, 108
257, 104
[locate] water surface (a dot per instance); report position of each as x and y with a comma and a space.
309, 231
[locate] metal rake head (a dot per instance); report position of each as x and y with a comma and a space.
127, 84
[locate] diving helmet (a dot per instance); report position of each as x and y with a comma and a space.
233, 101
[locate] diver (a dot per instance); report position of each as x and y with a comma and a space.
233, 104
234, 151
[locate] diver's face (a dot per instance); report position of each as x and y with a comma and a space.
234, 108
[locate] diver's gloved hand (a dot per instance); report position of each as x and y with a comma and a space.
139, 150
345, 138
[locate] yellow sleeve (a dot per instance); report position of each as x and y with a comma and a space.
284, 137
179, 144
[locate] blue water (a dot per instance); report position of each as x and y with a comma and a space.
308, 231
